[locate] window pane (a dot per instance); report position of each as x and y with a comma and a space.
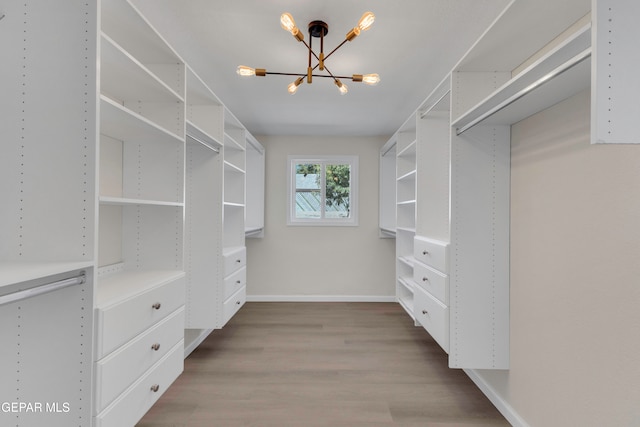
338, 191
308, 196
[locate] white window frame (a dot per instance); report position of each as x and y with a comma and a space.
292, 161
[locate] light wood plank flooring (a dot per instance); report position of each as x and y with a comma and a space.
321, 364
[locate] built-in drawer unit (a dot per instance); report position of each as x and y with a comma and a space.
124, 366
234, 282
433, 253
121, 321
233, 304
433, 315
432, 281
234, 259
127, 409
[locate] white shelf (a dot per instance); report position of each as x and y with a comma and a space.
407, 260
411, 175
409, 150
123, 124
15, 272
198, 136
388, 232
234, 204
121, 201
124, 78
230, 167
120, 286
231, 143
559, 74
123, 22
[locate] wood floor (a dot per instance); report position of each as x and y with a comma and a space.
321, 364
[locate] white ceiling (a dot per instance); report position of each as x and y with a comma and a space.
413, 44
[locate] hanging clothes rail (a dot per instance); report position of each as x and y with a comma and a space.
42, 289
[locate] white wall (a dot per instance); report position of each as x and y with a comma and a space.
575, 275
312, 262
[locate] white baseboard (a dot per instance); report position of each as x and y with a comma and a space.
195, 340
501, 405
320, 298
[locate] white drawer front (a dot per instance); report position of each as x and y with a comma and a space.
432, 281
233, 304
119, 323
235, 260
433, 253
124, 366
129, 408
433, 316
234, 282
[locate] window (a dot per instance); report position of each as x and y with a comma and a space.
323, 190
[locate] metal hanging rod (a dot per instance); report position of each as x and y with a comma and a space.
199, 141
43, 289
542, 80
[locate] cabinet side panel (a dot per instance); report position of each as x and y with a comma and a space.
479, 286
615, 83
49, 109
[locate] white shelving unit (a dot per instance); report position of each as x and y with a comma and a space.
387, 168
204, 186
405, 208
105, 198
47, 218
255, 184
140, 286
528, 60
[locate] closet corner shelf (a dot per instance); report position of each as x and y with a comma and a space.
560, 73
122, 201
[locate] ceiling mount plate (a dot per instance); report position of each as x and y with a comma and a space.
318, 28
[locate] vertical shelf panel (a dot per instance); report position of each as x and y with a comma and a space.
479, 266
615, 84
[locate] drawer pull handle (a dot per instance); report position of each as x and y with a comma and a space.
425, 312
238, 282
425, 252
156, 306
155, 347
238, 302
155, 388
238, 260
425, 279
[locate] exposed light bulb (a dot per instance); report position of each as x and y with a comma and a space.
287, 22
366, 21
293, 87
371, 79
245, 71
342, 87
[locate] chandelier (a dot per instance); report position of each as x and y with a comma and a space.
318, 29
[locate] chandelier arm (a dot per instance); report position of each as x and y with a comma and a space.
330, 73
336, 48
314, 75
286, 74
